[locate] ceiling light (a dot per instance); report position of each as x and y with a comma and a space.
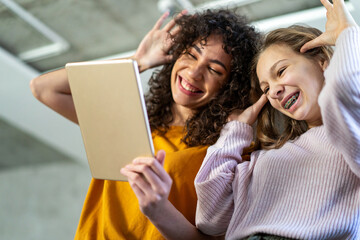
167, 5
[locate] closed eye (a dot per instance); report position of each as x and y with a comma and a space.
281, 71
214, 71
191, 55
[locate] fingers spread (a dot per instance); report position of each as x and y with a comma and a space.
170, 25
175, 30
183, 12
326, 4
160, 21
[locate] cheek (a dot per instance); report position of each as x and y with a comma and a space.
314, 87
215, 85
182, 61
275, 104
173, 77
320, 85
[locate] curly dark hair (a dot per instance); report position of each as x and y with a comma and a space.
240, 40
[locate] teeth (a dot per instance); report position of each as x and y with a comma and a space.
291, 101
188, 87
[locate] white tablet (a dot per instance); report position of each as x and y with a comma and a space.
112, 115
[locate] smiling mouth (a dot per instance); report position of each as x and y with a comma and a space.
189, 87
291, 101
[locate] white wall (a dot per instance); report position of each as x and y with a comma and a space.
21, 109
315, 17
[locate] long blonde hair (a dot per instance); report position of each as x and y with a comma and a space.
274, 129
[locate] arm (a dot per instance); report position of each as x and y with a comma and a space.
151, 184
53, 88
340, 98
215, 178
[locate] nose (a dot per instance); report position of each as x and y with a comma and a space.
276, 91
196, 71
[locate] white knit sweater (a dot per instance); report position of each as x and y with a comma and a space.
307, 189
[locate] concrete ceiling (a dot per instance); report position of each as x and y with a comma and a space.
47, 34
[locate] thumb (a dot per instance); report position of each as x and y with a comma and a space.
160, 156
256, 107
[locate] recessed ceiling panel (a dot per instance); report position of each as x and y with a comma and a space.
17, 35
95, 29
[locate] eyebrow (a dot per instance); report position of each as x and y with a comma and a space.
262, 83
273, 67
211, 60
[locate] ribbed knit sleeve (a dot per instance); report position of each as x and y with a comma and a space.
340, 98
213, 182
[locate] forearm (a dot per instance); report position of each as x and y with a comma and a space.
151, 185
340, 98
216, 177
173, 225
53, 90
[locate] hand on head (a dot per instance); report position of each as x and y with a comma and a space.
250, 114
338, 18
154, 48
150, 182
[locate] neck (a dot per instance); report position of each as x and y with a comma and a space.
315, 123
316, 119
180, 114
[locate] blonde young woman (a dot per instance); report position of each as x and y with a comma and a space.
305, 181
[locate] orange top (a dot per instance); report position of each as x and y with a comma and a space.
111, 209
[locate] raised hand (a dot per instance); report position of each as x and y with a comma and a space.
250, 114
338, 18
153, 49
150, 183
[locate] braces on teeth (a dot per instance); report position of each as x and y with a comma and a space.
291, 101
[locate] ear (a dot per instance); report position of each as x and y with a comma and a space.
324, 64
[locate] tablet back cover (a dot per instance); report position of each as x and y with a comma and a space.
112, 116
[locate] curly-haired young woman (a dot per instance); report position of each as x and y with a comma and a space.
205, 76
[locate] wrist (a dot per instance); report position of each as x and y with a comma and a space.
142, 67
157, 217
